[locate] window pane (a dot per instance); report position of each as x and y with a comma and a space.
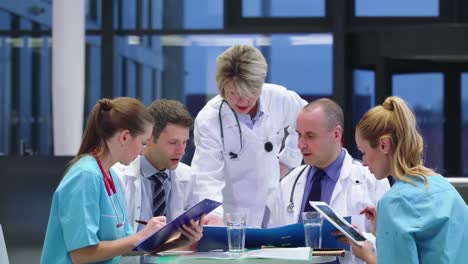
399, 8
281, 8
464, 117
203, 14
424, 94
364, 96
174, 14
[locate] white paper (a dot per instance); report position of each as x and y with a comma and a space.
301, 253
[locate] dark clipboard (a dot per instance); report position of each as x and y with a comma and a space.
159, 237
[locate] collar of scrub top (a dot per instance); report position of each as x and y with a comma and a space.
268, 145
110, 189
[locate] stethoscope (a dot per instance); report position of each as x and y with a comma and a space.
110, 189
233, 155
290, 207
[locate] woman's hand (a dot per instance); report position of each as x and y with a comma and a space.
340, 237
365, 252
152, 226
371, 214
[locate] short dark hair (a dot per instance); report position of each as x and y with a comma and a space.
168, 111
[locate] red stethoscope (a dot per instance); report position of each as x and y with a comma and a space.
110, 189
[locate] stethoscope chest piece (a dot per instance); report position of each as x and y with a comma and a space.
291, 207
268, 146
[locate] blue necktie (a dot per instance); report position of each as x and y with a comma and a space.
159, 194
315, 193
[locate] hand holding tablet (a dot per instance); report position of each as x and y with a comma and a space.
339, 222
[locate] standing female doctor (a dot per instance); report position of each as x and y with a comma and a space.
238, 136
88, 220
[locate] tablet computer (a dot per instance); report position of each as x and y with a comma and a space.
159, 237
339, 222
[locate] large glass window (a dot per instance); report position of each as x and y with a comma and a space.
364, 96
424, 94
281, 8
464, 125
397, 8
173, 14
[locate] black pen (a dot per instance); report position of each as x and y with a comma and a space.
141, 222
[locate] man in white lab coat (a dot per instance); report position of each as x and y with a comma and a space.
157, 183
238, 136
342, 182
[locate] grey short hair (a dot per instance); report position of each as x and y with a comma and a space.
242, 66
332, 110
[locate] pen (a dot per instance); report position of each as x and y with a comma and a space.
141, 222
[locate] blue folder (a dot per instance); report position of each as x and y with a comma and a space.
215, 237
159, 237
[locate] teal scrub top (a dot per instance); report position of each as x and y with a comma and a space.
416, 224
82, 215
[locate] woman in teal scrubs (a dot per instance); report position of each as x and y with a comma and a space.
422, 218
88, 220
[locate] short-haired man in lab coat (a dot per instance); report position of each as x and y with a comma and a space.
157, 183
330, 174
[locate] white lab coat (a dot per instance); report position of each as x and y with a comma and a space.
251, 181
130, 183
348, 197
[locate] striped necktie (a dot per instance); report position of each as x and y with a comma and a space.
159, 194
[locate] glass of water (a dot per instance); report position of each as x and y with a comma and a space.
235, 225
312, 229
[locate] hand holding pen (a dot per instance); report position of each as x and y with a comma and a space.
152, 225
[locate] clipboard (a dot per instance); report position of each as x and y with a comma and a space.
162, 235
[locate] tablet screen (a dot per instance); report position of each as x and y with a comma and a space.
344, 225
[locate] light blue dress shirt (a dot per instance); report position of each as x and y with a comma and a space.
328, 183
250, 122
147, 189
82, 214
420, 225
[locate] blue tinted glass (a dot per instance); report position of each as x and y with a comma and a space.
281, 8
302, 63
364, 96
464, 117
5, 20
403, 8
424, 94
203, 14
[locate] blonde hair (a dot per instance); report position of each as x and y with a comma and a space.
242, 66
395, 120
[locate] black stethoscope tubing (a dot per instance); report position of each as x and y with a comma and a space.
268, 145
221, 125
291, 202
290, 207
